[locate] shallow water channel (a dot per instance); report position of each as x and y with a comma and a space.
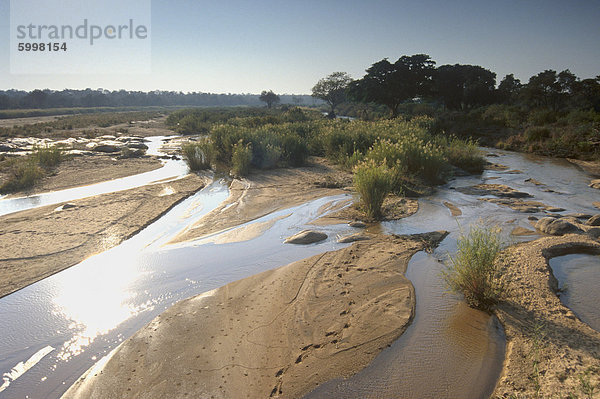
54, 330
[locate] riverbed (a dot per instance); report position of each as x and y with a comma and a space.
54, 330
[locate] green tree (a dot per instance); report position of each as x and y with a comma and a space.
551, 90
392, 84
508, 89
464, 86
332, 90
269, 98
586, 94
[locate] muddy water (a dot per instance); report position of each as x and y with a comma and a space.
450, 350
578, 278
54, 330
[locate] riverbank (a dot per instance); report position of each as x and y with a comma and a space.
89, 169
276, 334
550, 352
40, 242
268, 191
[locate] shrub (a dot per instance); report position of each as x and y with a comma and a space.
373, 182
241, 159
536, 133
411, 154
295, 150
464, 154
473, 271
542, 117
24, 173
198, 155
47, 157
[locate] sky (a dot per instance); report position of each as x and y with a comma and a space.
235, 46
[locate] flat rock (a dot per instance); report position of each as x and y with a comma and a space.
579, 215
454, 210
596, 204
357, 224
137, 145
353, 238
521, 231
497, 190
556, 227
65, 206
595, 184
555, 209
594, 232
594, 220
531, 180
306, 237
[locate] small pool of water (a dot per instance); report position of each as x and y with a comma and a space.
578, 278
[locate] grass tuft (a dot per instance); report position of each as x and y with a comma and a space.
198, 155
23, 174
47, 157
473, 270
373, 182
241, 159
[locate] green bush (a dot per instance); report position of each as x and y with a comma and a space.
373, 182
542, 117
241, 159
47, 157
536, 133
413, 155
24, 173
473, 271
464, 154
198, 155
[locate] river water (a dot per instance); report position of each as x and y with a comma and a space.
54, 330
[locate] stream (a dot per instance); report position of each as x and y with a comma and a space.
55, 329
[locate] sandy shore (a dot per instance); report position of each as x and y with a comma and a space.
540, 328
265, 192
40, 242
90, 169
276, 334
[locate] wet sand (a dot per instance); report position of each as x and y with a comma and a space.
265, 192
539, 328
277, 334
39, 242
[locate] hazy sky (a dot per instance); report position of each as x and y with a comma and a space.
248, 46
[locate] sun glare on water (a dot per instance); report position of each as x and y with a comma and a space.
102, 303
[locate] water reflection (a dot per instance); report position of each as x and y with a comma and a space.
95, 309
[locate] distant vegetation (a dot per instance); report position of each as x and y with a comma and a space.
88, 98
80, 121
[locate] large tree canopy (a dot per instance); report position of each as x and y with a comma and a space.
332, 90
391, 84
464, 86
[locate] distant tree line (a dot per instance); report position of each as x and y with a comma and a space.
458, 87
15, 99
